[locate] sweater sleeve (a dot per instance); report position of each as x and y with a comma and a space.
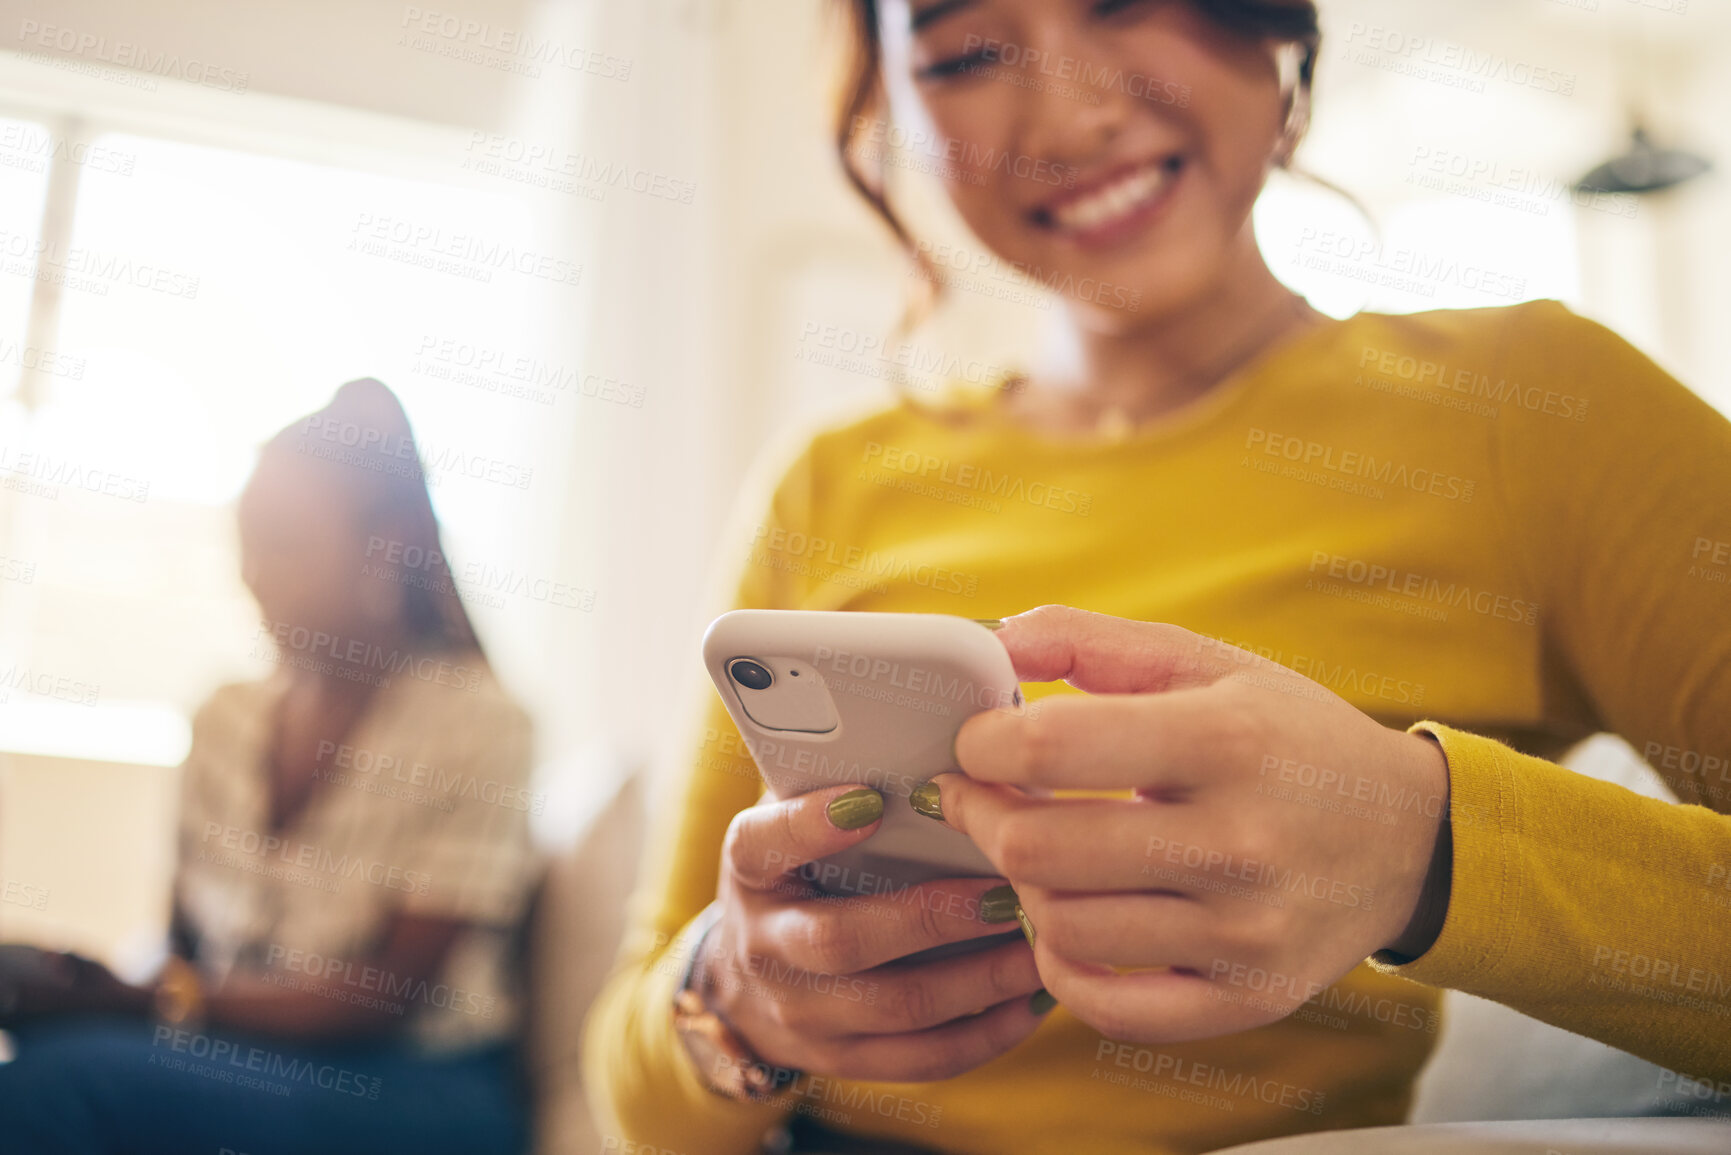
1586, 905
1576, 901
637, 1071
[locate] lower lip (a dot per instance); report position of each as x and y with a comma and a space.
1115, 233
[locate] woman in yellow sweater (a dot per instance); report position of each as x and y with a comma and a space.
1280, 848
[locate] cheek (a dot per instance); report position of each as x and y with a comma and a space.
309, 585
339, 579
988, 211
1243, 138
970, 154
1232, 186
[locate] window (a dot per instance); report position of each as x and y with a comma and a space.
26, 150
201, 298
1427, 251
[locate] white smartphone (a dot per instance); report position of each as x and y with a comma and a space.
823, 699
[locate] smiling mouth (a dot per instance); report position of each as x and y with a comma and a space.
1107, 206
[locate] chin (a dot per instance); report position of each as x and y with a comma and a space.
1145, 292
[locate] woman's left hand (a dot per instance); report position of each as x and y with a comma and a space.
36, 983
1277, 836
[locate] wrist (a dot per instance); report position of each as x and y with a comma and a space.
694, 972
177, 998
724, 1061
1431, 909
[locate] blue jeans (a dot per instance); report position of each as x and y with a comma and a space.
103, 1087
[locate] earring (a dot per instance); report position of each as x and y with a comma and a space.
1297, 113
1289, 61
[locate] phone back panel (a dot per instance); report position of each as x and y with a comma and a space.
900, 685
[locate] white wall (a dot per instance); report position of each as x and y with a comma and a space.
1659, 278
706, 304
343, 52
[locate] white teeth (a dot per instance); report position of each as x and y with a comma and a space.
1117, 200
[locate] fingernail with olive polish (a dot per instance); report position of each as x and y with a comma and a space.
1041, 1001
990, 623
1027, 923
855, 809
998, 904
928, 800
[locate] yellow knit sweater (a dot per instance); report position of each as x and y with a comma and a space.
1508, 520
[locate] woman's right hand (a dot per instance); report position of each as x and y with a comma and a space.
810, 980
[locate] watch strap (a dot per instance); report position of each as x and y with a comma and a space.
700, 928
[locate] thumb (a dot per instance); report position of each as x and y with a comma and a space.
1100, 654
766, 841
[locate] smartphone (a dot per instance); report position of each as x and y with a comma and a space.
824, 699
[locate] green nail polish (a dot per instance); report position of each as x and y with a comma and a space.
1041, 1001
1027, 923
928, 800
855, 809
998, 904
990, 623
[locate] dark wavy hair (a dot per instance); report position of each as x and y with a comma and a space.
862, 93
382, 474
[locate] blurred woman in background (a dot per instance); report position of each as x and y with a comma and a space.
1245, 939
353, 857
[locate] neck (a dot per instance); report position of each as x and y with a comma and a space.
1175, 357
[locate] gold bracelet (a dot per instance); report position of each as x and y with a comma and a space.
725, 1062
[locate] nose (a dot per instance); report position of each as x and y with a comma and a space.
1070, 111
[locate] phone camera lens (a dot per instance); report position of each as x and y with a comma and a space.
752, 675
